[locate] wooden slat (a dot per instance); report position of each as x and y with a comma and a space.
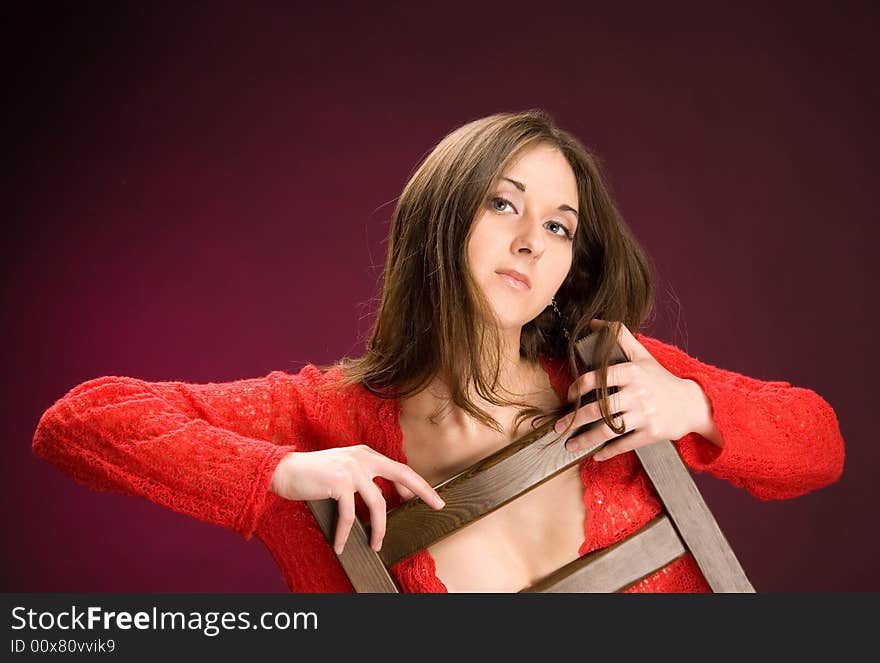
478, 491
618, 566
695, 523
359, 561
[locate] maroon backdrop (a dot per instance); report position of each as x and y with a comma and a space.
203, 194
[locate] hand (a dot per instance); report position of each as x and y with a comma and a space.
340, 473
655, 404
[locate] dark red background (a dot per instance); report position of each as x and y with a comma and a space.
203, 193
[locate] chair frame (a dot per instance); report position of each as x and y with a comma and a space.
685, 525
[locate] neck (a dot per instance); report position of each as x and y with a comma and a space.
516, 380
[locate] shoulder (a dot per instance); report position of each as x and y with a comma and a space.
318, 394
664, 352
673, 357
321, 382
657, 347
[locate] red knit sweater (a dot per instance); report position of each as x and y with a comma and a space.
209, 451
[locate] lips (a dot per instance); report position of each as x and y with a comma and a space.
518, 276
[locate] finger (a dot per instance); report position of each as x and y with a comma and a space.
630, 345
345, 520
602, 432
619, 401
581, 442
618, 376
407, 476
621, 445
404, 492
372, 497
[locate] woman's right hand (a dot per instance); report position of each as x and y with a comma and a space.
340, 473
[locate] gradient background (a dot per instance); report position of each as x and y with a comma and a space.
203, 193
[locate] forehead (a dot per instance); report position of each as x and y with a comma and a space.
544, 170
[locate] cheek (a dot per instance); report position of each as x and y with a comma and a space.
480, 228
478, 246
474, 258
562, 266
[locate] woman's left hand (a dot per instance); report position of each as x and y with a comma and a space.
655, 404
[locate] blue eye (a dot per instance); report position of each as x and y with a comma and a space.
503, 200
565, 231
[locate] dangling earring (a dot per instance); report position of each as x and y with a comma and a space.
561, 319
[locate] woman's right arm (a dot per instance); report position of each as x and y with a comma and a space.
205, 450
214, 451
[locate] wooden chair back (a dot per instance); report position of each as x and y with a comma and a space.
684, 525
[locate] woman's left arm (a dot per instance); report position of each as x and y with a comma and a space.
775, 440
770, 438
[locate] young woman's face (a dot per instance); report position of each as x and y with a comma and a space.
526, 225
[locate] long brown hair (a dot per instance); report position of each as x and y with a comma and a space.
427, 323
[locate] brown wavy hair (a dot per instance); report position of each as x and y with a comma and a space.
427, 323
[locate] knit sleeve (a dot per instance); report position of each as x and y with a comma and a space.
204, 450
778, 441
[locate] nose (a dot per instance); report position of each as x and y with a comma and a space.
529, 239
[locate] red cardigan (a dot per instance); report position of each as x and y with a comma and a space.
209, 451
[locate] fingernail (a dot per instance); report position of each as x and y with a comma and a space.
573, 447
561, 424
338, 550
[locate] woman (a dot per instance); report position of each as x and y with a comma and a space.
505, 248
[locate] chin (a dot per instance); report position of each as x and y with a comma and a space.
505, 322
503, 305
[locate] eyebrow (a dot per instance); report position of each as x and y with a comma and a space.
522, 187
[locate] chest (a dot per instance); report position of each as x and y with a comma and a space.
519, 543
515, 545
